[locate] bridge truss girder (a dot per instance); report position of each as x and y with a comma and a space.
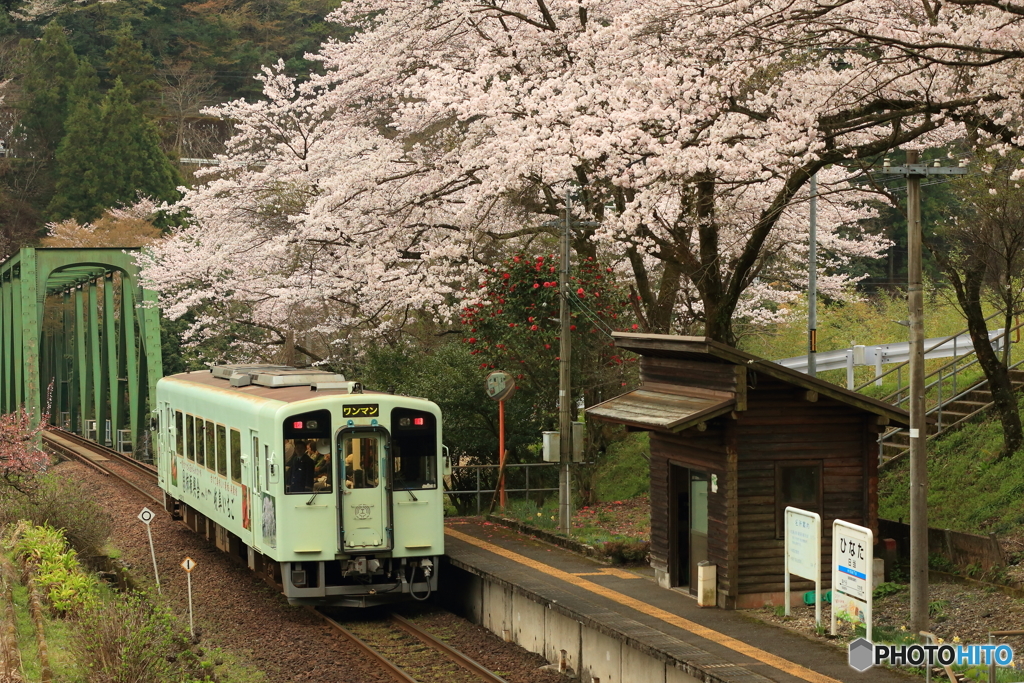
66, 343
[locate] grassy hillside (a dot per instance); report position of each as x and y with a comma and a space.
968, 490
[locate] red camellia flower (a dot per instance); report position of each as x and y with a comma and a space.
505, 276
516, 259
534, 328
472, 340
572, 327
535, 285
547, 346
636, 327
579, 291
530, 319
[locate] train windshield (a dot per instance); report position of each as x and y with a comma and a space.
414, 449
308, 465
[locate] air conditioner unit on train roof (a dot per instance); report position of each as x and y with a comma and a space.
294, 377
226, 371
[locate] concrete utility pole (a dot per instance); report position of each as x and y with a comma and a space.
913, 172
564, 393
812, 284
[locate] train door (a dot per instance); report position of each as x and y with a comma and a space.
364, 502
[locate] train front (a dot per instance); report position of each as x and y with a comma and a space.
353, 508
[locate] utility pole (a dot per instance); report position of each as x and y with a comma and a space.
913, 172
812, 284
564, 393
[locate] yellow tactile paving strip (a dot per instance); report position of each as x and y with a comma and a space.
704, 632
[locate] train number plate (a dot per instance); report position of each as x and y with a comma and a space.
361, 410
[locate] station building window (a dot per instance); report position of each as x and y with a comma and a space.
797, 484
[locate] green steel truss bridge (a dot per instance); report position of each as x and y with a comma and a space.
79, 342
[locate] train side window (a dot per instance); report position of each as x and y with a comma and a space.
190, 442
256, 461
222, 451
362, 458
236, 456
200, 442
211, 446
179, 432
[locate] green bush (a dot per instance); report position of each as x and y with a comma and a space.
55, 567
59, 503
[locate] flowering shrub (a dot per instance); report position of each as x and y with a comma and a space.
20, 456
513, 324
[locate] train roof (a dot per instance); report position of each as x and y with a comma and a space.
272, 382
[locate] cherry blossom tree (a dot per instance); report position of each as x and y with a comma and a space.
684, 133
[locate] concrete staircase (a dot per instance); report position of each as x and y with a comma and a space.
946, 416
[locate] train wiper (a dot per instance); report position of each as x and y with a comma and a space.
312, 498
409, 491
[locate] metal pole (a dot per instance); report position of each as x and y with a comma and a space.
564, 394
812, 284
501, 452
152, 551
191, 627
918, 428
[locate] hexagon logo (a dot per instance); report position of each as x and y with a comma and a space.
862, 654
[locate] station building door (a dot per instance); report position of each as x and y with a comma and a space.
689, 517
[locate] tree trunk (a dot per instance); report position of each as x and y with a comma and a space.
968, 293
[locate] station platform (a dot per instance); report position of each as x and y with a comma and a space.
650, 624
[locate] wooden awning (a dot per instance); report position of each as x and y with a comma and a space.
649, 409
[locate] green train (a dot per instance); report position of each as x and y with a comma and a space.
331, 493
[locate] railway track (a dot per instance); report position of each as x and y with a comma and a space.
411, 654
99, 457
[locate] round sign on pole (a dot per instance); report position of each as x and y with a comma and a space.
499, 385
146, 516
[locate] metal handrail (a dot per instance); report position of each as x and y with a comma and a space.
930, 348
950, 364
938, 408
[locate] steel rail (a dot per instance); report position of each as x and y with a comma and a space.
103, 450
99, 450
459, 658
392, 668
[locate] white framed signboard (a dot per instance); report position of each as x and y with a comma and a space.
803, 552
852, 558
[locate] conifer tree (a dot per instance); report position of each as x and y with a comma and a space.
51, 65
110, 156
130, 62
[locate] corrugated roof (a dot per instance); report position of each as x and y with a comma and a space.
658, 410
708, 350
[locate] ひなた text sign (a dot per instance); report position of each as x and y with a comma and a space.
852, 559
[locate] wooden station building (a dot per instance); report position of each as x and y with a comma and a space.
735, 439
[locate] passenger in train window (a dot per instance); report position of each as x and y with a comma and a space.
298, 468
322, 472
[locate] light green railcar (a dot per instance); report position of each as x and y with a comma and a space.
331, 493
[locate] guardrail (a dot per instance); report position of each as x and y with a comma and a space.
483, 495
